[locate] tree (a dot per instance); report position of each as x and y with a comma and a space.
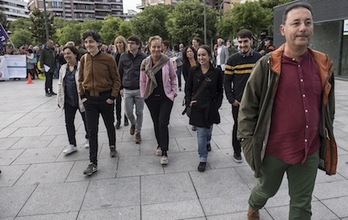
21, 37
110, 26
38, 29
125, 29
70, 32
20, 24
249, 15
187, 21
93, 25
151, 21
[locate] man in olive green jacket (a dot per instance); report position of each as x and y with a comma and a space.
285, 121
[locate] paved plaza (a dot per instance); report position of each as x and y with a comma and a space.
39, 182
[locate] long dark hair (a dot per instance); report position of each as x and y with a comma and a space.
185, 58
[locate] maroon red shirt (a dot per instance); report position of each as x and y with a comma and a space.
294, 131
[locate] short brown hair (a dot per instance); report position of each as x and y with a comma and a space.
295, 6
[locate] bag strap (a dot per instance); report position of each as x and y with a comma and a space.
201, 87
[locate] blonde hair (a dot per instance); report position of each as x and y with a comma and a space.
152, 38
124, 42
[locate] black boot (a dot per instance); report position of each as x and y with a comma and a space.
126, 123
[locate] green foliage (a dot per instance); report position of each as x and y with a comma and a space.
272, 3
125, 29
187, 21
70, 32
94, 25
151, 21
110, 26
37, 18
21, 37
20, 24
249, 15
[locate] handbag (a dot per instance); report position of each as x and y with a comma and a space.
187, 109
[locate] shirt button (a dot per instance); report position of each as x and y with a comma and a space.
299, 65
306, 110
304, 95
305, 140
301, 80
306, 126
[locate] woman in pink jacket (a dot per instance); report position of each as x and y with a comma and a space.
158, 86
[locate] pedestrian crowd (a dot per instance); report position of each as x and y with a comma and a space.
282, 100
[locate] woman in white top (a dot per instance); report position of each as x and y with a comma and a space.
68, 97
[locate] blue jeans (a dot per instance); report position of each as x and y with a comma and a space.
203, 139
131, 98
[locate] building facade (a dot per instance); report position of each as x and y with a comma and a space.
14, 9
80, 10
330, 30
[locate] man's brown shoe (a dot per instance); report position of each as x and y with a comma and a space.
132, 130
137, 138
253, 214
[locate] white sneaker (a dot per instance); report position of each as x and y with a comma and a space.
69, 149
86, 143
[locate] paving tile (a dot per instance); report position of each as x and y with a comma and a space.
226, 204
55, 216
319, 211
338, 206
28, 131
239, 216
136, 166
123, 213
331, 190
38, 155
106, 170
13, 198
33, 142
166, 188
8, 156
6, 143
45, 173
223, 141
119, 192
26, 122
182, 162
218, 183
10, 174
173, 210
55, 198
6, 132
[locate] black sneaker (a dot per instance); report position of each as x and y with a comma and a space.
118, 124
201, 166
113, 151
53, 93
237, 158
48, 94
126, 123
91, 168
132, 130
208, 147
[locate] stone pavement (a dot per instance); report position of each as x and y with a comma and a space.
39, 182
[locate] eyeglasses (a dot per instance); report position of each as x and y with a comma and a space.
131, 42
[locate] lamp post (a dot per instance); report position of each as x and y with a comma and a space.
205, 22
45, 17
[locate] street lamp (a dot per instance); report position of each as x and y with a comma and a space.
45, 16
205, 22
